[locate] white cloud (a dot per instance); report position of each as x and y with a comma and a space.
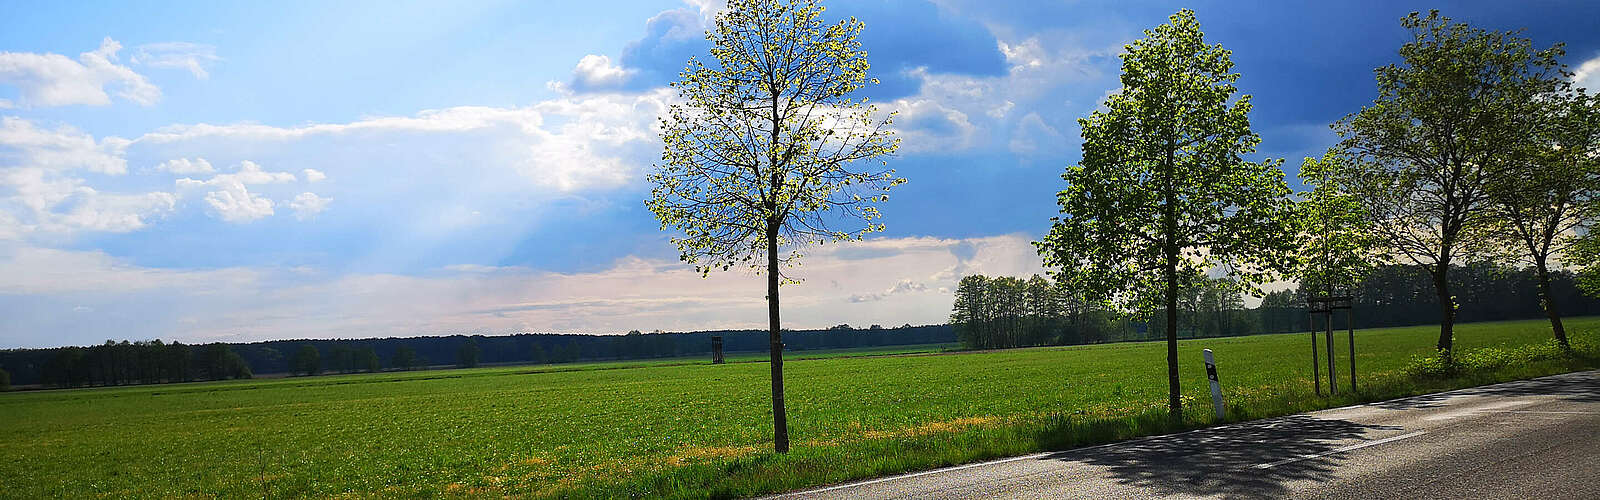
232, 202
1587, 76
904, 286
251, 173
912, 275
185, 166
55, 80
566, 144
193, 57
229, 198
307, 205
925, 125
456, 160
23, 144
597, 71
707, 9
42, 190
953, 112
1032, 136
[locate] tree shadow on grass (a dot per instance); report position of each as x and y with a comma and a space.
1228, 461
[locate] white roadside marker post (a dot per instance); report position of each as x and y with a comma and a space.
1216, 388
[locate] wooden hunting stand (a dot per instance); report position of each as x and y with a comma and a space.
716, 349
1325, 305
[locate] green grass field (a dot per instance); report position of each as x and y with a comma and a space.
660, 428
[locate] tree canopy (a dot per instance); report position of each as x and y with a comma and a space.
769, 151
1423, 152
1550, 192
1163, 190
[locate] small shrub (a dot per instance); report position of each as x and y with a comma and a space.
1429, 366
1487, 359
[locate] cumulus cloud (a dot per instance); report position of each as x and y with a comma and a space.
185, 166
1587, 76
232, 202
43, 190
307, 205
314, 175
193, 57
45, 80
228, 198
595, 72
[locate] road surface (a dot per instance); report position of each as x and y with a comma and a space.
1531, 439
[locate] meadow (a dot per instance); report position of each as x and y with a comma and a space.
678, 428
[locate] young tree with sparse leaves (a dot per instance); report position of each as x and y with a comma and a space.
1336, 250
1163, 190
1426, 149
768, 151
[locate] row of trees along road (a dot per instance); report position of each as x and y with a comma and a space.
1476, 148
768, 152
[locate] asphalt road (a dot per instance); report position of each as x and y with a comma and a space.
1535, 439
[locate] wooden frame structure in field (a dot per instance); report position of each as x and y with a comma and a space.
1325, 305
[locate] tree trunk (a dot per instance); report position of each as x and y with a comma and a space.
1174, 406
1170, 227
1447, 309
1548, 300
780, 421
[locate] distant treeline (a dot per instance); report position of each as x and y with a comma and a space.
1010, 312
992, 313
119, 363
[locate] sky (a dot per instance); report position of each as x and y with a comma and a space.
234, 171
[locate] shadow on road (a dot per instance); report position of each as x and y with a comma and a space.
1222, 461
1579, 387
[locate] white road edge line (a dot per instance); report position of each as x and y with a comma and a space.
917, 474
1340, 450
1537, 412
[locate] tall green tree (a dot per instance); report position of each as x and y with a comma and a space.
769, 151
1163, 188
1445, 119
1552, 192
5, 380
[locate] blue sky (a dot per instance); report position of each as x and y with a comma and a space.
236, 171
